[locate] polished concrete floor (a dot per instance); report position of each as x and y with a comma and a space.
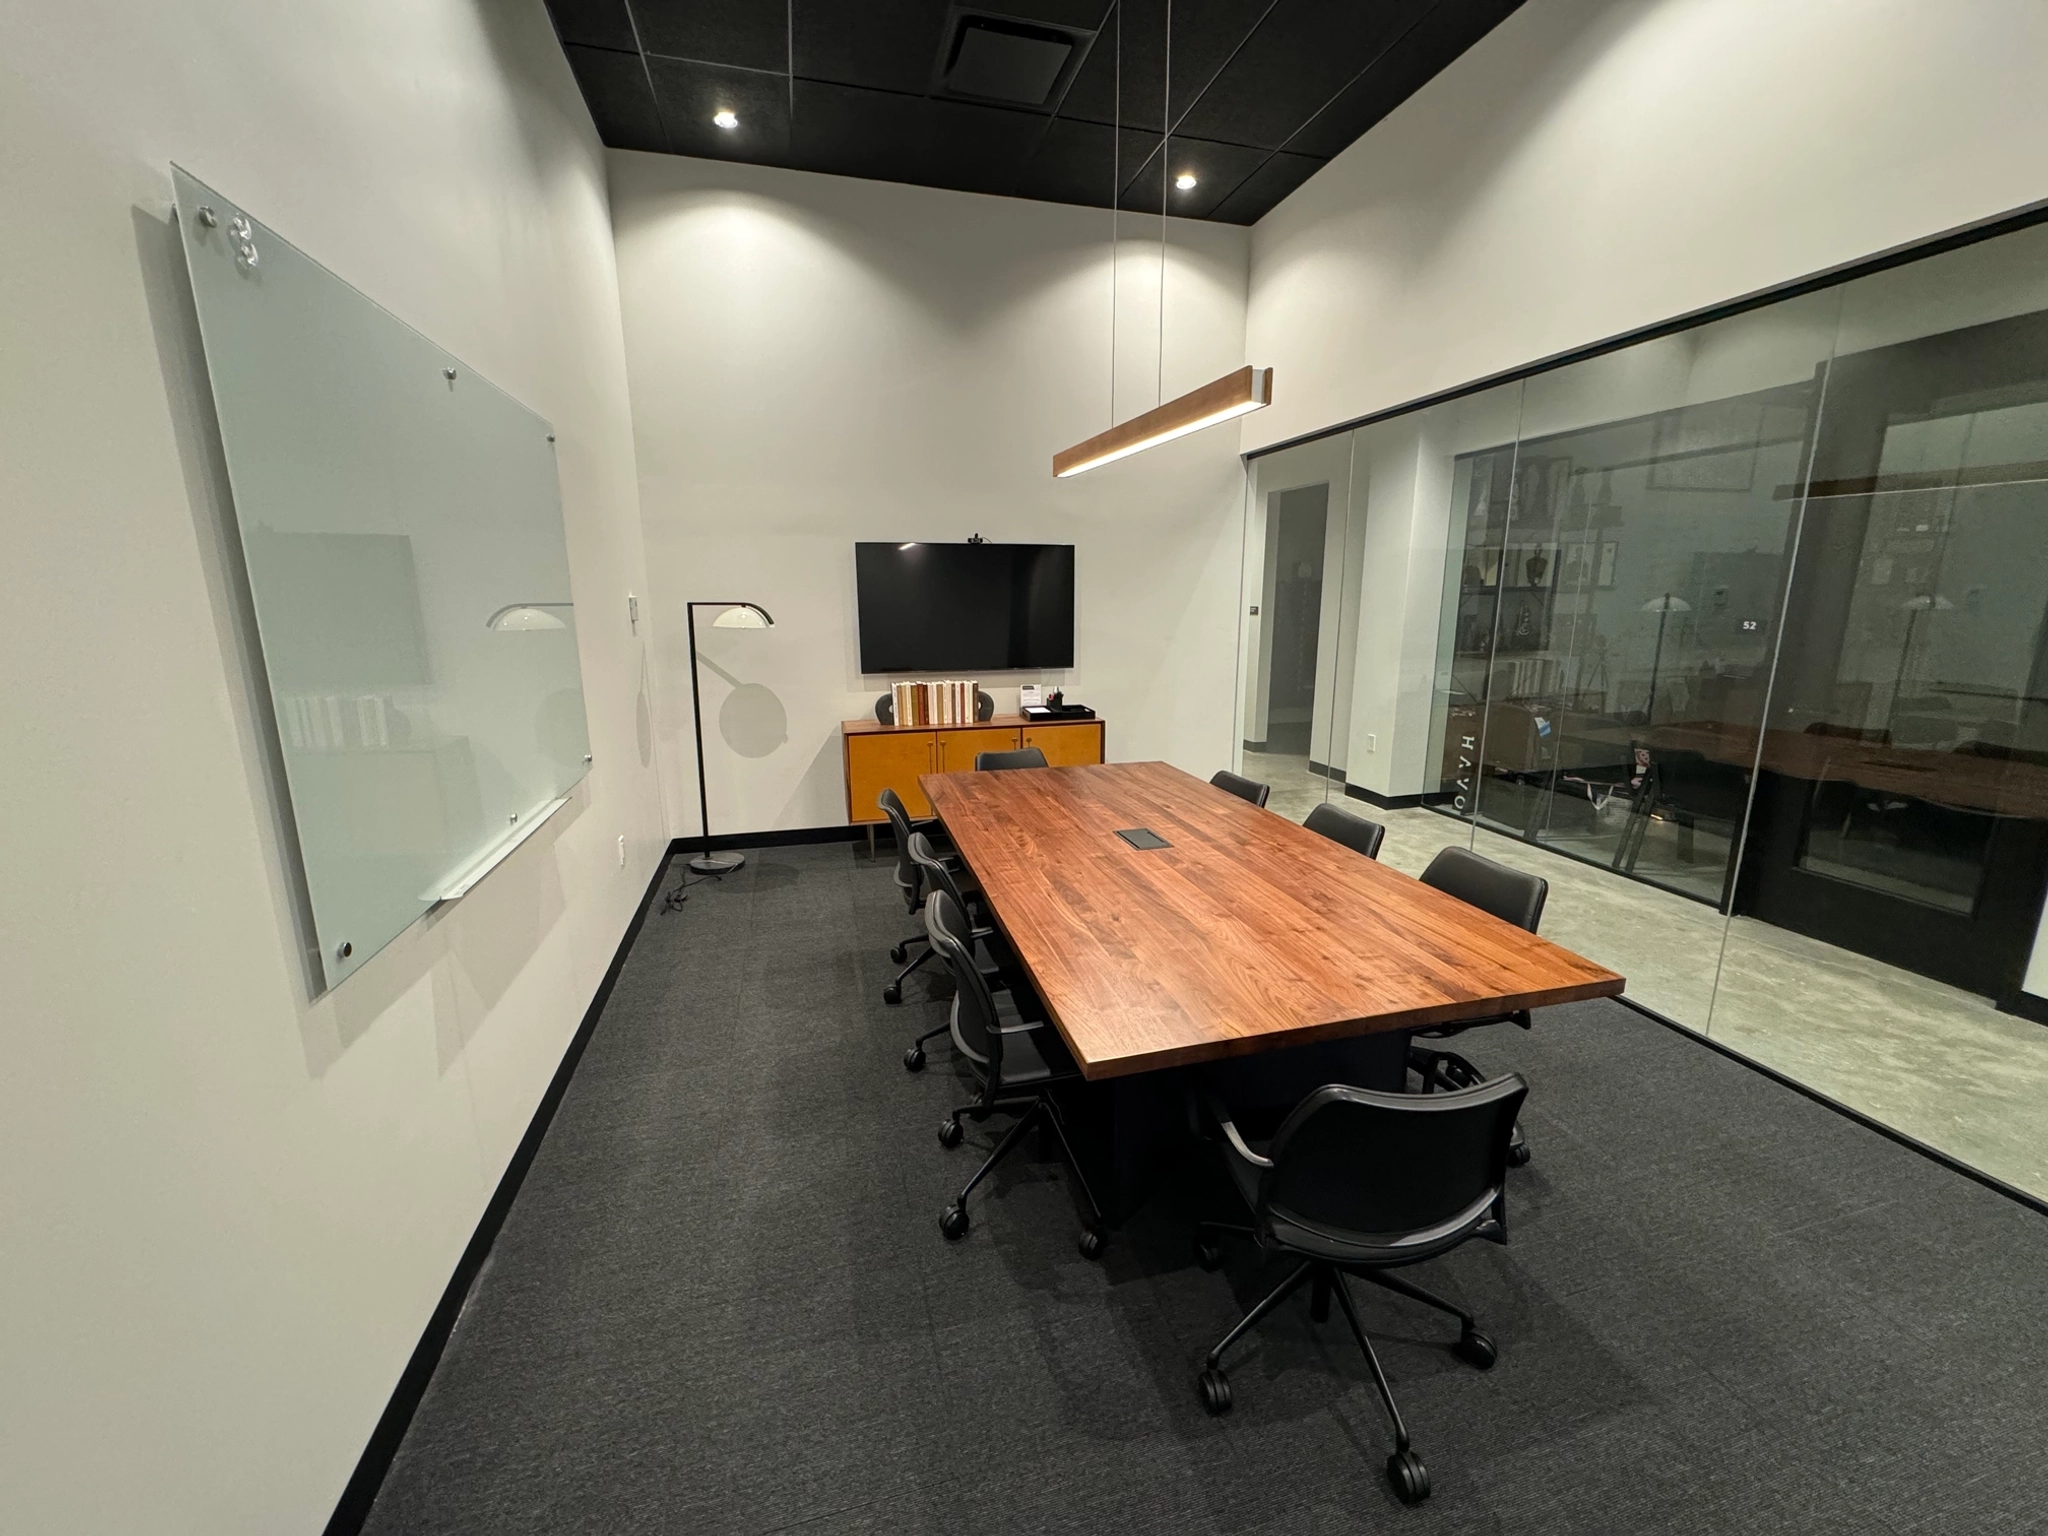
1939, 1064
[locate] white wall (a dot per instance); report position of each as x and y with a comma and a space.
229, 1209
1595, 165
817, 360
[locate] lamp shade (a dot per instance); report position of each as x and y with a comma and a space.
743, 616
515, 616
1667, 604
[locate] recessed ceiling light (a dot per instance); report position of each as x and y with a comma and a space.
726, 118
1185, 181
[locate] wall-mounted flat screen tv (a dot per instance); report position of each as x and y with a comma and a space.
965, 607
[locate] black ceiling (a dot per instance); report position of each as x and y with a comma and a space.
1262, 92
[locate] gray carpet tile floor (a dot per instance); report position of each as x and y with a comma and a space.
721, 1302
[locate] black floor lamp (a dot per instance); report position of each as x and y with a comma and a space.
736, 616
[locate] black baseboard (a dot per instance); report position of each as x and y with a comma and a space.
1255, 746
1325, 771
1890, 1133
789, 837
1389, 802
2024, 1005
353, 1507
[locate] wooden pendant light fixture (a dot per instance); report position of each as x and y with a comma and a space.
1248, 389
1232, 395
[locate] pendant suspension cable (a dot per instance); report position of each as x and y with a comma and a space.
1116, 144
1165, 180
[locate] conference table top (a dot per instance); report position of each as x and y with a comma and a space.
1248, 933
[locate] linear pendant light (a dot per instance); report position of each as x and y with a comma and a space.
1248, 389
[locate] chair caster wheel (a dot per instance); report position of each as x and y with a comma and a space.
892, 993
1476, 1350
949, 1135
913, 1059
1092, 1243
1208, 1255
953, 1222
1215, 1390
1518, 1154
1409, 1477
898, 953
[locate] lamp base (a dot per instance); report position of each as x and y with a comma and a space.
717, 863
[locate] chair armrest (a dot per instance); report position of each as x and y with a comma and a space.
1220, 1113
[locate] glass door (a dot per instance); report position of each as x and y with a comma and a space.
1901, 812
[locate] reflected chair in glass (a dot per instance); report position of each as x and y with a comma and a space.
1340, 826
1017, 1058
1510, 895
1360, 1183
939, 877
1022, 757
1242, 787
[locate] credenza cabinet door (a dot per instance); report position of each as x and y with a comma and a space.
879, 760
957, 748
1067, 746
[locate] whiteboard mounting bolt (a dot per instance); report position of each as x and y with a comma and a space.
209, 218
513, 818
448, 374
343, 950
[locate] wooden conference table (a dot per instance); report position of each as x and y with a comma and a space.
1247, 934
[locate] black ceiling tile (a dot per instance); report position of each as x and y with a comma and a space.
690, 95
889, 137
886, 45
1256, 196
753, 34
1447, 31
594, 23
893, 45
1074, 164
1218, 170
1303, 53
615, 88
1205, 34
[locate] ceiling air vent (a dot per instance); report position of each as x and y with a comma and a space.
1008, 60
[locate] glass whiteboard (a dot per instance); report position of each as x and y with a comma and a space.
402, 526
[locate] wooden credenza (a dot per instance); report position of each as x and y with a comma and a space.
880, 757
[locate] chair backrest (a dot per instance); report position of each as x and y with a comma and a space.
984, 707
1478, 881
1375, 1168
908, 878
1023, 757
1340, 826
975, 1027
1242, 787
935, 873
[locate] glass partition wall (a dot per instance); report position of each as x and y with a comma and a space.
1739, 637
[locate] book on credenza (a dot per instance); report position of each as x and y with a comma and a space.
935, 704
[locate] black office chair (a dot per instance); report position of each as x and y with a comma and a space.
1017, 1057
1340, 826
1242, 787
885, 707
1023, 757
1511, 896
910, 884
1361, 1183
939, 877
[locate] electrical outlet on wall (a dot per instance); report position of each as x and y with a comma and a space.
622, 850
1372, 742
632, 613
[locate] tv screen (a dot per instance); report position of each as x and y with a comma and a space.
965, 607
